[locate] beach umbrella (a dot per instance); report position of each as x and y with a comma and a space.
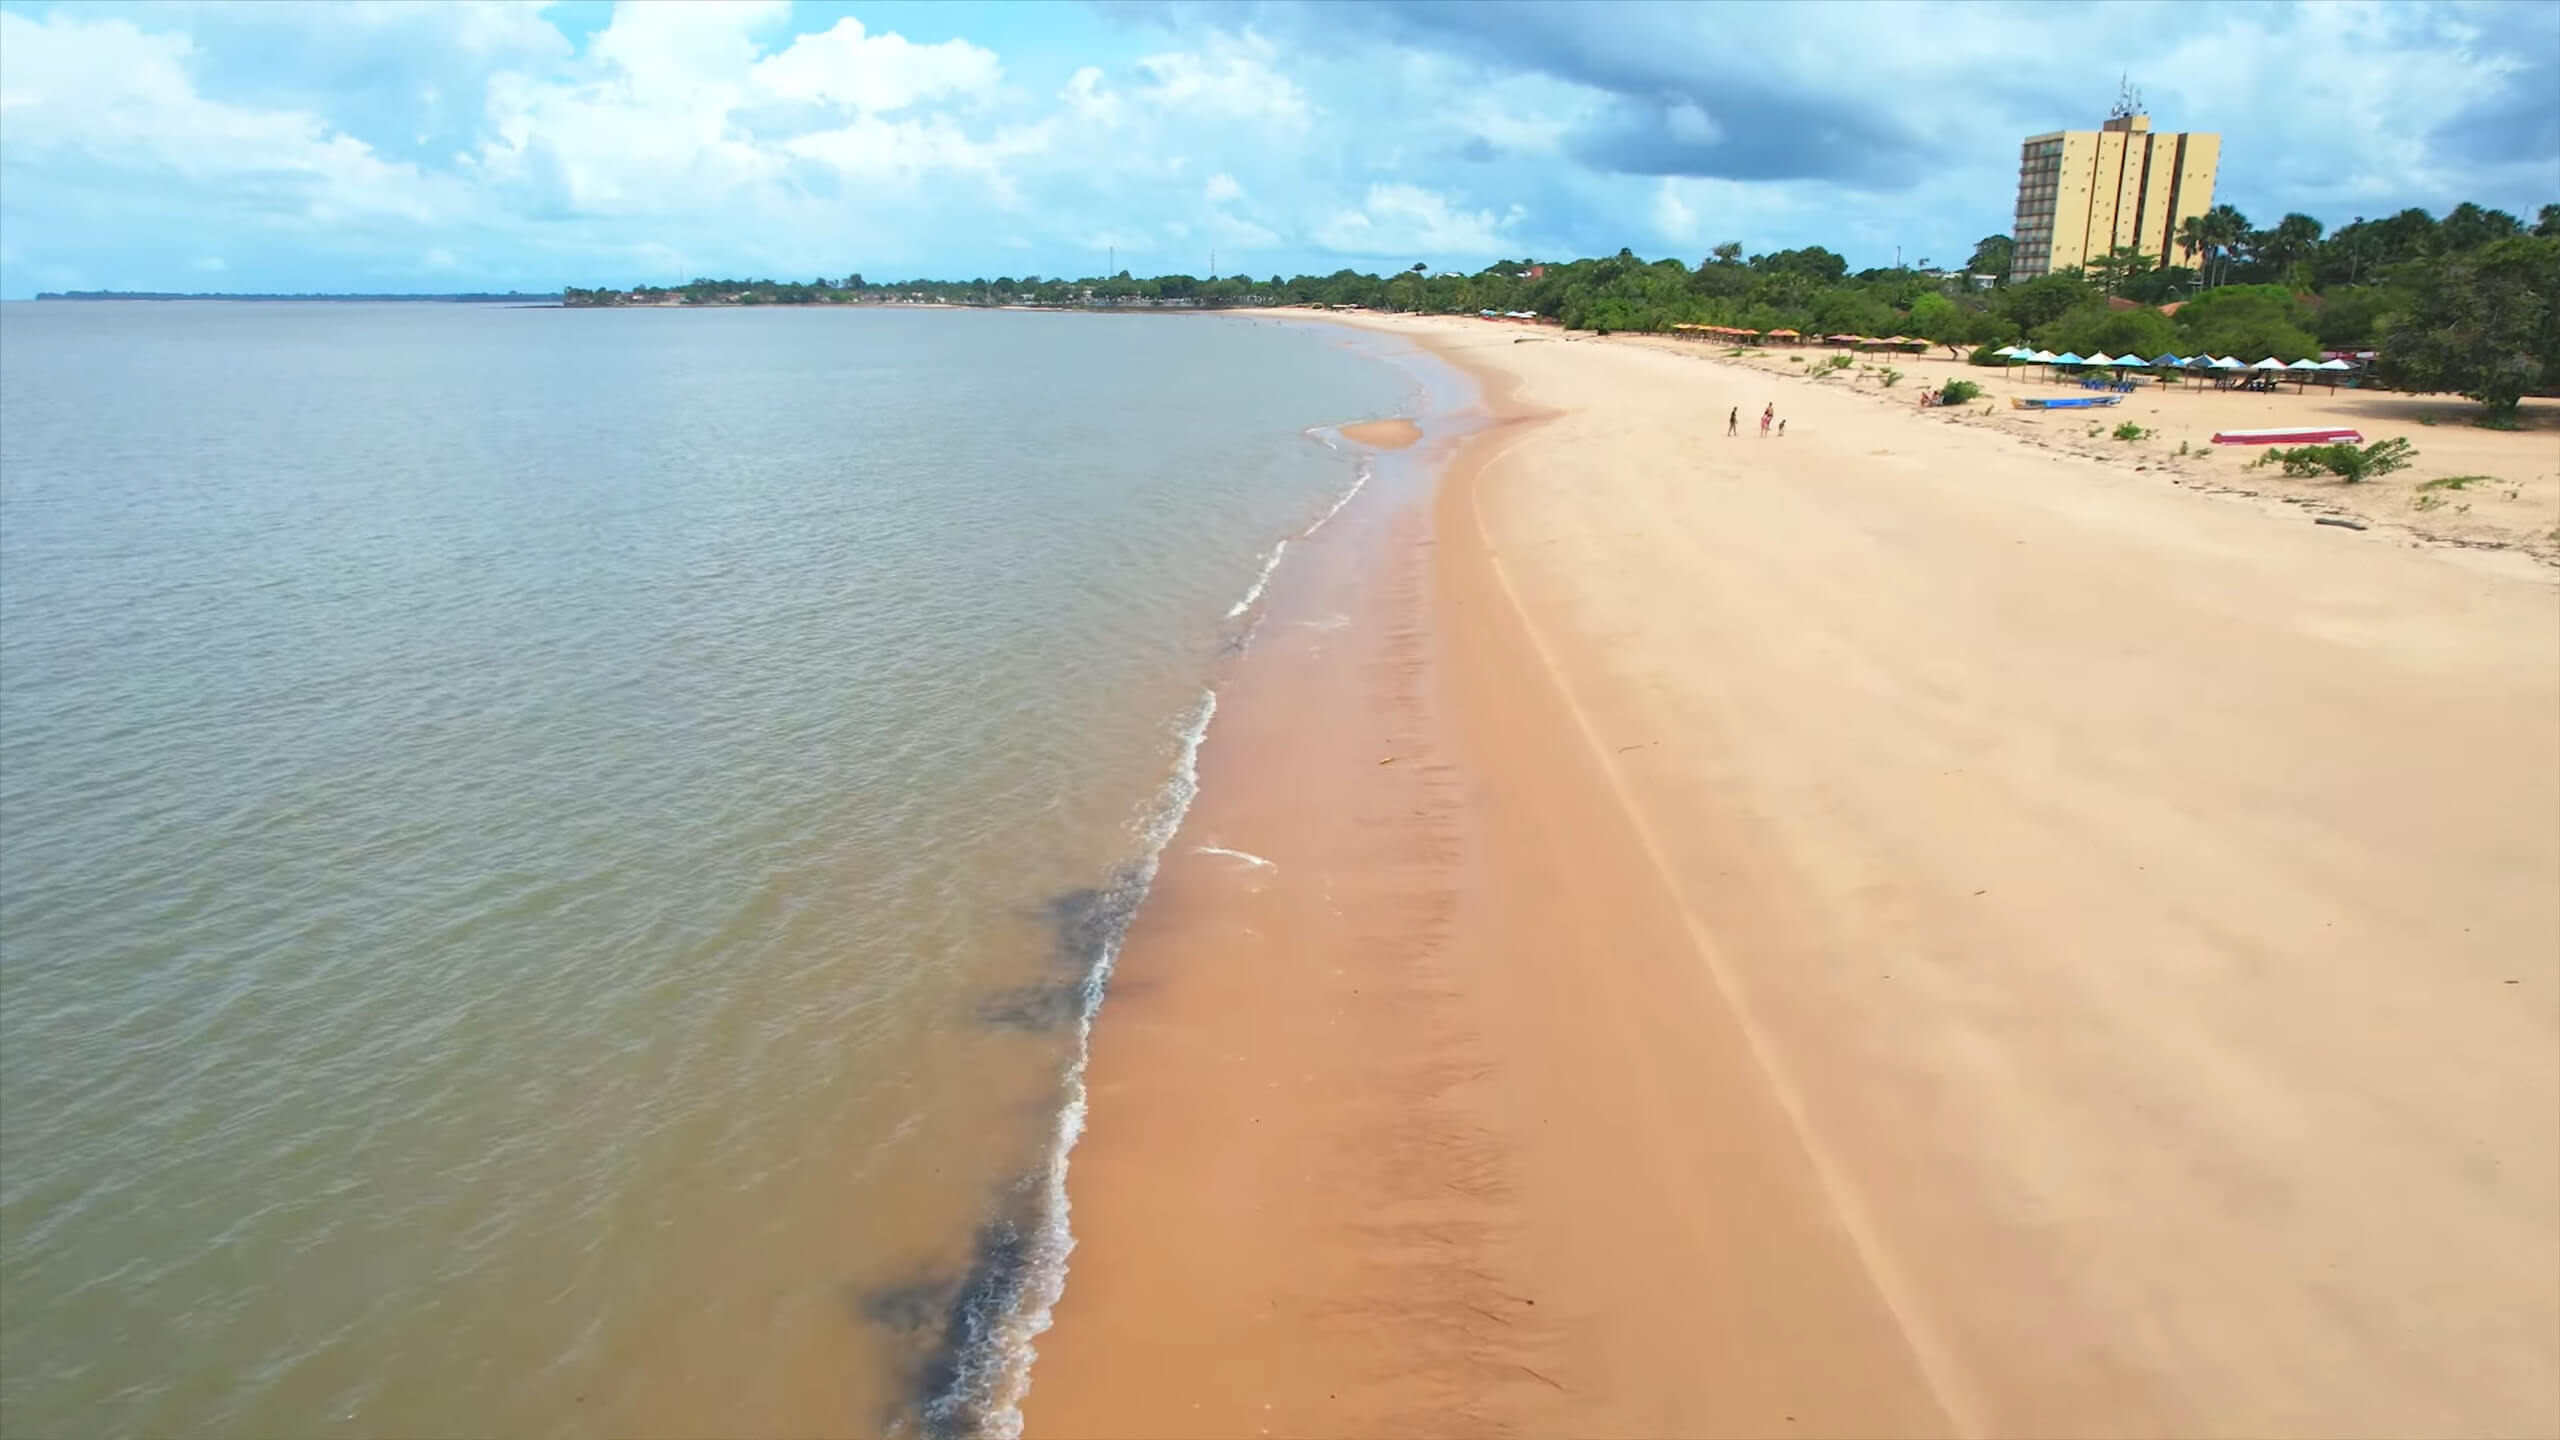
2067, 358
2134, 361
2228, 362
2164, 361
2304, 365
2102, 358
2270, 363
2333, 365
2044, 357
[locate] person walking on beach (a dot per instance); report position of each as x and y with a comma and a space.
1733, 421
1766, 416
1782, 429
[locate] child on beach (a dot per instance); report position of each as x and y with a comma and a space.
1733, 421
1766, 416
1782, 429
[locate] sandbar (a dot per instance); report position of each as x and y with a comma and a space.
1395, 434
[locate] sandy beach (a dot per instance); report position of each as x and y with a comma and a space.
1939, 923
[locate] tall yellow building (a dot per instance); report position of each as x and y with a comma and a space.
2081, 193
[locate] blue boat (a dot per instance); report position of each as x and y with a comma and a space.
2064, 402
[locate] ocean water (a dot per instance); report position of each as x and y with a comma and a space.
554, 865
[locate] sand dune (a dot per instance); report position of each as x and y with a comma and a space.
1901, 931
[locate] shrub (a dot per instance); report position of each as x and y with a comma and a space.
2130, 431
1957, 392
1842, 362
1984, 356
1795, 359
2343, 460
1889, 377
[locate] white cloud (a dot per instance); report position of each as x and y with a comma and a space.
1407, 219
1089, 100
677, 114
1691, 125
1673, 220
875, 74
104, 93
312, 145
1232, 76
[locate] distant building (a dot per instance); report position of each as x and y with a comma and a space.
2082, 193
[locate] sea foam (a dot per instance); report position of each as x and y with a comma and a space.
987, 1386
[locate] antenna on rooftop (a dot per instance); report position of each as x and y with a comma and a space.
2128, 100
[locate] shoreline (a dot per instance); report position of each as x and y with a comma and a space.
1878, 946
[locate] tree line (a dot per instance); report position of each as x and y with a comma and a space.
2469, 303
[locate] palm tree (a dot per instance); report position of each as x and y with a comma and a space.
2229, 228
2195, 237
2290, 245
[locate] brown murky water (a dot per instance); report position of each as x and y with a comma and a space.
551, 863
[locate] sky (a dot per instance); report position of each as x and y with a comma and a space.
201, 145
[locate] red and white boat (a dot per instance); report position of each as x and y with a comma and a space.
2298, 435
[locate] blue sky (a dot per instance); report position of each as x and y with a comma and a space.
201, 145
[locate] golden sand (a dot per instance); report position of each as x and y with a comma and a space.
1394, 434
1887, 930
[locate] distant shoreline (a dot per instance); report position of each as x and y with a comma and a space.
467, 298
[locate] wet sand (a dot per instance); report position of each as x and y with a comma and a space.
1395, 434
1889, 930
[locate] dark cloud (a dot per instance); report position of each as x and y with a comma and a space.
1681, 104
1758, 140
2518, 122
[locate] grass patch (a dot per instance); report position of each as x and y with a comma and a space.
2426, 419
2343, 460
2130, 431
1889, 376
2499, 420
2457, 482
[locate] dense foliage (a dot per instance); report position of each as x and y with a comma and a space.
2468, 303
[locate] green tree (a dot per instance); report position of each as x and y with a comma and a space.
2348, 316
2290, 247
2468, 227
2229, 231
1729, 253
2485, 324
1930, 317
2546, 222
1993, 255
2195, 238
2249, 321
2109, 271
2096, 328
2030, 305
1813, 262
